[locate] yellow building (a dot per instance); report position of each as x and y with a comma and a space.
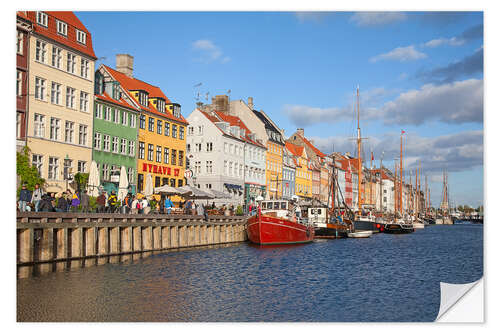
161, 146
274, 169
61, 86
303, 174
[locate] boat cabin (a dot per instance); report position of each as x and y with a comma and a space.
316, 215
278, 208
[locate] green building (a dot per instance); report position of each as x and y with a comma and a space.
115, 132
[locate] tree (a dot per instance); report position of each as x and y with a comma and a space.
27, 173
81, 180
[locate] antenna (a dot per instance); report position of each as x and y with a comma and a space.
197, 98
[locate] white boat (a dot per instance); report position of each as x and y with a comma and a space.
360, 234
418, 225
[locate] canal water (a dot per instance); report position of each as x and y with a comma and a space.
382, 278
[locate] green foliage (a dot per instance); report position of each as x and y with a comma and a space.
239, 211
153, 204
27, 173
92, 203
81, 180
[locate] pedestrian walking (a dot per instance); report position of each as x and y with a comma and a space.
168, 205
101, 202
85, 201
24, 198
37, 196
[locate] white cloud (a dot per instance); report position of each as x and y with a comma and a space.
377, 18
455, 103
401, 54
311, 16
454, 41
209, 51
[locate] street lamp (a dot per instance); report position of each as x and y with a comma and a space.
67, 170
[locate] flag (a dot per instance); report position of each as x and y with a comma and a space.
372, 156
403, 132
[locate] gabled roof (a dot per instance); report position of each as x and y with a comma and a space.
131, 84
310, 145
70, 40
268, 124
294, 149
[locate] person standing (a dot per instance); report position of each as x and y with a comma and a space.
24, 198
112, 199
168, 205
200, 210
188, 207
145, 206
85, 200
135, 206
75, 202
101, 202
37, 197
62, 204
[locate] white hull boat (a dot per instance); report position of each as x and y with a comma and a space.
360, 234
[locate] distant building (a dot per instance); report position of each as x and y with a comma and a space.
289, 170
23, 29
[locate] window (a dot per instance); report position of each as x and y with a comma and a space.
225, 147
230, 168
41, 51
130, 175
41, 18
54, 128
55, 93
70, 97
97, 141
37, 162
84, 68
56, 57
225, 167
197, 167
84, 101
68, 132
114, 145
190, 130
62, 28
82, 166
40, 88
181, 132
172, 182
131, 148
197, 147
133, 120
167, 129
188, 148
150, 152
81, 36
200, 130
105, 171
53, 167
158, 154
181, 158
107, 113
19, 43
209, 167
143, 98
123, 146
160, 106
159, 126
151, 124
124, 118
98, 111
141, 150
180, 182
39, 128
209, 146
71, 62
18, 124
165, 155
142, 121
174, 157
177, 111
19, 83
116, 116
174, 131
105, 141
140, 182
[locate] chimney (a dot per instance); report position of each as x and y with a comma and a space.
250, 103
125, 64
213, 100
222, 102
311, 141
300, 131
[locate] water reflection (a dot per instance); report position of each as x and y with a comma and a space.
384, 278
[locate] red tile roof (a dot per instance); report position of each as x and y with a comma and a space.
105, 97
316, 150
294, 149
70, 40
130, 83
236, 121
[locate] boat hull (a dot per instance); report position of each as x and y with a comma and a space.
395, 228
269, 230
330, 230
360, 234
365, 226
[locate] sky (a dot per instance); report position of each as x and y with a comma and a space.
421, 72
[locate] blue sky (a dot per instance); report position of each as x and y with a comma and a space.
421, 72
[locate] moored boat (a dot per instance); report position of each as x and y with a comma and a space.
275, 223
360, 234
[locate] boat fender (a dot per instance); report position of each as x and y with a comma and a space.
378, 226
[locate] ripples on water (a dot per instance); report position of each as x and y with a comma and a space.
382, 278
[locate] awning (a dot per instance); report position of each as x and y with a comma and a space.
233, 186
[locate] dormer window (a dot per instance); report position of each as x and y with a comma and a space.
62, 28
160, 105
42, 18
81, 36
143, 98
116, 94
177, 111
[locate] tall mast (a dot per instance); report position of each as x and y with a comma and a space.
395, 185
359, 156
401, 175
371, 170
381, 156
426, 199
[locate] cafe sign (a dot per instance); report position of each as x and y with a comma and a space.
159, 169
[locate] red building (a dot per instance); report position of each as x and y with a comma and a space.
23, 29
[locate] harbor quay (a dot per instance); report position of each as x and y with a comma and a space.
50, 237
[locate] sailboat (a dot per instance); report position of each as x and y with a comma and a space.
367, 222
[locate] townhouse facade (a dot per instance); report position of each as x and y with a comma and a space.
289, 169
61, 85
23, 29
303, 174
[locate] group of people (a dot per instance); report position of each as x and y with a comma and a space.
39, 201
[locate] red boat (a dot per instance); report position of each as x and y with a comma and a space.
275, 224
